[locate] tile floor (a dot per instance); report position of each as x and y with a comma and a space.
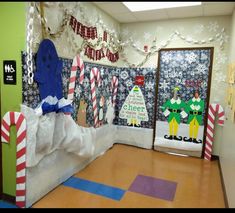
131, 177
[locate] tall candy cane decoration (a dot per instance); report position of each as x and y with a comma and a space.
114, 86
18, 119
94, 76
77, 62
213, 110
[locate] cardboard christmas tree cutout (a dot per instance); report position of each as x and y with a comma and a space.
134, 109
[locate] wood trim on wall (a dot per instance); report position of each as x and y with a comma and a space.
208, 93
208, 99
155, 107
215, 157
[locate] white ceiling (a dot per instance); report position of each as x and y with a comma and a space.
123, 15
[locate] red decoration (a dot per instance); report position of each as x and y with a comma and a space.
94, 54
113, 57
105, 36
91, 33
82, 30
146, 48
139, 80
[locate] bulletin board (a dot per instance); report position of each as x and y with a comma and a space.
126, 81
183, 92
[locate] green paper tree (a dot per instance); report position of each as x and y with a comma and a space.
134, 109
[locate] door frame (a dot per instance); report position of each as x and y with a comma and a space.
208, 92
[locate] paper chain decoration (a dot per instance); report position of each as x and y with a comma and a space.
18, 119
213, 110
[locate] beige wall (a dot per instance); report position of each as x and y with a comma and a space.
198, 29
227, 148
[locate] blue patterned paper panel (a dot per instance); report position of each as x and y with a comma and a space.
126, 77
187, 69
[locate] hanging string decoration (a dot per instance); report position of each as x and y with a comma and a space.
113, 57
82, 30
93, 54
219, 37
29, 40
105, 36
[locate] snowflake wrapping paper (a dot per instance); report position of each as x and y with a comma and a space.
186, 69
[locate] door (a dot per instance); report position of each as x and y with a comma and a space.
183, 91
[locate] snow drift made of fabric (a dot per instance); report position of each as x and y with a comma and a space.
53, 131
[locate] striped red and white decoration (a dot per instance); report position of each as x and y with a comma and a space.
18, 119
94, 77
214, 109
77, 62
114, 86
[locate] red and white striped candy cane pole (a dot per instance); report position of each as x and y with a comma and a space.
213, 110
18, 119
114, 86
94, 77
77, 62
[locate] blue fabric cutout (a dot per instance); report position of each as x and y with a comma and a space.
49, 77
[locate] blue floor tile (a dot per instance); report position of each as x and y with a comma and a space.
4, 204
95, 188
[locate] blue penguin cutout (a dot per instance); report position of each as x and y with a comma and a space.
48, 76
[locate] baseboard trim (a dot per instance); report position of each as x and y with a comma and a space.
8, 198
215, 157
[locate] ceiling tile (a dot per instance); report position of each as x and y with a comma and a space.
114, 7
183, 12
151, 15
122, 14
124, 17
100, 2
225, 8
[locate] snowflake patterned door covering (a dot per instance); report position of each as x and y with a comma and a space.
183, 90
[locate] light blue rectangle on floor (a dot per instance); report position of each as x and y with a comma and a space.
4, 204
95, 188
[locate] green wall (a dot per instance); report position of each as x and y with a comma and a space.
12, 42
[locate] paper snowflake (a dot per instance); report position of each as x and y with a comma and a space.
147, 36
164, 85
213, 26
124, 75
201, 68
198, 29
191, 57
149, 85
166, 57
